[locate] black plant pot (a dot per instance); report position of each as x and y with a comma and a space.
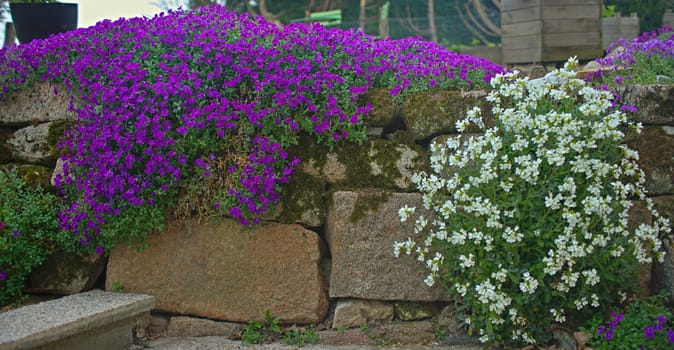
39, 21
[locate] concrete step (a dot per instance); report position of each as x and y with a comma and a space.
93, 320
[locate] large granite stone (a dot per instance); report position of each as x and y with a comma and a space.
655, 103
65, 274
361, 229
655, 145
223, 270
29, 144
35, 105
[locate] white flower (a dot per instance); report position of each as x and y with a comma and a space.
430, 280
591, 277
528, 284
462, 289
405, 212
558, 315
553, 202
467, 261
512, 235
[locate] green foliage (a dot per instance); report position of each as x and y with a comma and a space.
29, 232
260, 332
364, 326
608, 11
643, 324
646, 69
117, 287
300, 336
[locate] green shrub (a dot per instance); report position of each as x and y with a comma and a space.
529, 223
260, 332
29, 232
300, 336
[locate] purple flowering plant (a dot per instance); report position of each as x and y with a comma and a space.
169, 103
644, 324
645, 60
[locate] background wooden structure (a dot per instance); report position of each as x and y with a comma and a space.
668, 18
619, 27
550, 30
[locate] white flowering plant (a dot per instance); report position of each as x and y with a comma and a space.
529, 220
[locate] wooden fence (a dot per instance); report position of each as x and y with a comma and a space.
550, 30
618, 27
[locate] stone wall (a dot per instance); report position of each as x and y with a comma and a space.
326, 254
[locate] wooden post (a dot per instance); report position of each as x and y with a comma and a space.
10, 34
668, 18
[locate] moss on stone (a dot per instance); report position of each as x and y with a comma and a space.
428, 114
368, 202
55, 134
384, 108
302, 200
374, 164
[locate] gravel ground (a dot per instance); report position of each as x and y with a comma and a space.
221, 343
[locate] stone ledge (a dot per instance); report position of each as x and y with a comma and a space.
75, 321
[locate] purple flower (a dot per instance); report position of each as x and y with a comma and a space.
144, 128
649, 332
99, 250
3, 275
16, 234
628, 108
670, 336
2, 225
616, 318
609, 334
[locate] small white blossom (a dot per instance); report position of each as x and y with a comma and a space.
405, 212
528, 284
558, 315
467, 261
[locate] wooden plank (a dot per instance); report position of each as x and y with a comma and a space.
572, 40
561, 54
522, 28
509, 5
582, 25
668, 18
521, 56
522, 15
569, 2
566, 12
629, 27
609, 31
522, 42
